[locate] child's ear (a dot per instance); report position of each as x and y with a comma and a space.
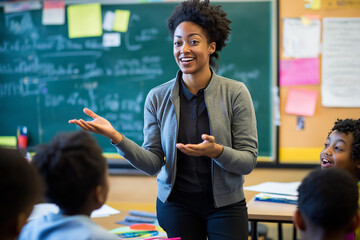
355, 222
100, 195
299, 221
22, 219
358, 164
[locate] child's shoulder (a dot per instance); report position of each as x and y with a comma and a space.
57, 226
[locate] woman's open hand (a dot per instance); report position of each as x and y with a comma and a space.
206, 148
98, 125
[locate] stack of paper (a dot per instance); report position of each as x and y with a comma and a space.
276, 192
268, 197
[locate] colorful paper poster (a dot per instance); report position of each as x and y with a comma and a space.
302, 71
301, 102
53, 13
121, 21
84, 20
299, 40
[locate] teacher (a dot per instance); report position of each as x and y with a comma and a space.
200, 134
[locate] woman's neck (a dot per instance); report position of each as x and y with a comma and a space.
195, 82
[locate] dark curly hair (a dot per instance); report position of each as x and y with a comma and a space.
210, 17
328, 198
350, 126
72, 165
20, 187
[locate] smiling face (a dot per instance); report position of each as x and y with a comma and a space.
337, 152
191, 48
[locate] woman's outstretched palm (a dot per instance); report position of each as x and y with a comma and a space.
98, 125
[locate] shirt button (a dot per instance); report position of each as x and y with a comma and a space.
194, 117
194, 102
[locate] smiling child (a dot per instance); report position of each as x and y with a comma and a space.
342, 150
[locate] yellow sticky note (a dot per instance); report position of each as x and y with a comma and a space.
305, 21
316, 4
8, 141
121, 21
84, 20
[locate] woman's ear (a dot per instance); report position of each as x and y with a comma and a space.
299, 221
212, 48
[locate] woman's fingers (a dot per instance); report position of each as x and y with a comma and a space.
90, 113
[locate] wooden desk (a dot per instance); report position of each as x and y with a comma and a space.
260, 211
109, 222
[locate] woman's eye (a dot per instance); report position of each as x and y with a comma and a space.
176, 44
193, 42
337, 148
326, 145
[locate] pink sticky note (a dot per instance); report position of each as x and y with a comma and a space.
301, 102
303, 71
54, 4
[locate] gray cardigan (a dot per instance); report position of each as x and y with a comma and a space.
232, 123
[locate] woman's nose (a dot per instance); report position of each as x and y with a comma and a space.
184, 48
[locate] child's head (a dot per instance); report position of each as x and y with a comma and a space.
20, 188
328, 203
342, 147
75, 172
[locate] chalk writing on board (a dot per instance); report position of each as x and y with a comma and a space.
240, 75
19, 23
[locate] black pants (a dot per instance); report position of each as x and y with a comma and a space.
194, 217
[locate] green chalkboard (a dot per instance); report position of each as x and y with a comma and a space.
47, 78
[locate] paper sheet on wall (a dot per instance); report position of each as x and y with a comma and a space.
335, 4
301, 102
121, 21
340, 85
84, 20
299, 40
304, 71
53, 13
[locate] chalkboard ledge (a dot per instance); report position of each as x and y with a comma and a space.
122, 167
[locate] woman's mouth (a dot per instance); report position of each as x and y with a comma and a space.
186, 59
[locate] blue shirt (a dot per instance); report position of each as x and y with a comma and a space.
56, 226
193, 173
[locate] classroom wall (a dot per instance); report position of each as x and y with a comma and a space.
304, 146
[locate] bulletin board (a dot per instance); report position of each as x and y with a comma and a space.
303, 146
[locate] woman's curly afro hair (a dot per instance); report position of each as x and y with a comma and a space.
211, 18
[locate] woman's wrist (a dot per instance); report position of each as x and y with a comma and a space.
116, 137
218, 151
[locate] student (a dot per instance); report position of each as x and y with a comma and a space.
76, 178
342, 150
20, 188
327, 205
200, 133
